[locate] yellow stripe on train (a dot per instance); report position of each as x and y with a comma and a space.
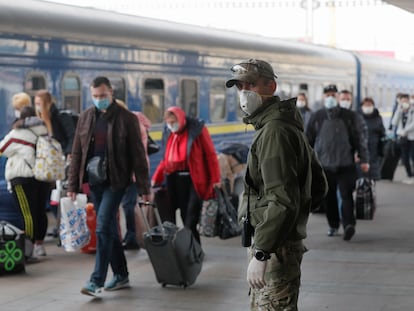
215, 129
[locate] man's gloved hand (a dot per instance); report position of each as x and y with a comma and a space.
255, 273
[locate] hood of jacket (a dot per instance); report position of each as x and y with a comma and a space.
276, 109
180, 114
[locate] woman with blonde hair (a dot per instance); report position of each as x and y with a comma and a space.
19, 147
19, 101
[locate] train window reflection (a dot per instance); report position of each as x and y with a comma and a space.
217, 100
153, 99
34, 81
119, 87
71, 93
189, 97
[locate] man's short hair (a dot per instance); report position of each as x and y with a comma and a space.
250, 71
345, 92
98, 81
330, 88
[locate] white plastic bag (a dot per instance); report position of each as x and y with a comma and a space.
73, 230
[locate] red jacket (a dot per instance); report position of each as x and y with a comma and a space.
201, 156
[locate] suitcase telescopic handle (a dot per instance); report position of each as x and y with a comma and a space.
157, 217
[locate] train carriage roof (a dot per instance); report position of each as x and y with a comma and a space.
86, 25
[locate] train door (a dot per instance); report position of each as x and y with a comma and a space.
119, 87
217, 106
153, 101
71, 93
188, 99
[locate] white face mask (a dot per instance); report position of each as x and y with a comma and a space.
405, 105
367, 109
345, 104
249, 101
330, 102
17, 113
173, 127
300, 103
38, 108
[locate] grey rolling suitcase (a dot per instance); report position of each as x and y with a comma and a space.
174, 253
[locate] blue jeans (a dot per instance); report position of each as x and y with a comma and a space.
109, 248
129, 201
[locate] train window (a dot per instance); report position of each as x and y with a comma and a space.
34, 81
284, 90
303, 87
217, 100
189, 97
119, 87
71, 93
153, 99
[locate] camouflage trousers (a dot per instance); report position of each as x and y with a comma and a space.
282, 278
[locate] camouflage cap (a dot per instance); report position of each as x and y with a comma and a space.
250, 70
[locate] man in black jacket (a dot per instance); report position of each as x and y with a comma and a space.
337, 136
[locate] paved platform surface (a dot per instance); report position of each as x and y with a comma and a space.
372, 272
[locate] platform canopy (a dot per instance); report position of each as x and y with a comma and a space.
407, 5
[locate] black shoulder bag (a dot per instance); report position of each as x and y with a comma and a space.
247, 230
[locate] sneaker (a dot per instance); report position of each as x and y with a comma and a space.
91, 289
408, 181
349, 232
39, 250
332, 232
117, 282
128, 245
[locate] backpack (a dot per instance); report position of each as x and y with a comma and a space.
49, 160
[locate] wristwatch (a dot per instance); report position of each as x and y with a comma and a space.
261, 255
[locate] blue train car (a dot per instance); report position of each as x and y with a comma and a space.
155, 64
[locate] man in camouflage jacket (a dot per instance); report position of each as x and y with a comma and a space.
284, 181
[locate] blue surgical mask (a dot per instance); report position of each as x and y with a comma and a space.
330, 102
173, 127
101, 104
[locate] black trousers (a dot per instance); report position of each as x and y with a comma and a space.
183, 196
32, 198
343, 178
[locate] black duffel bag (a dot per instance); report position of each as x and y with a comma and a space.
227, 225
12, 248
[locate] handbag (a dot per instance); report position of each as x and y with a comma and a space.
73, 229
96, 169
227, 225
208, 218
365, 204
152, 146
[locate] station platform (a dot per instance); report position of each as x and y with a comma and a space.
372, 272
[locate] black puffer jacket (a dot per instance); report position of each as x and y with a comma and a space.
336, 135
376, 133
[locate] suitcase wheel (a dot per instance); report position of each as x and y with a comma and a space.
164, 284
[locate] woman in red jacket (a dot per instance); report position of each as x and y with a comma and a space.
189, 165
